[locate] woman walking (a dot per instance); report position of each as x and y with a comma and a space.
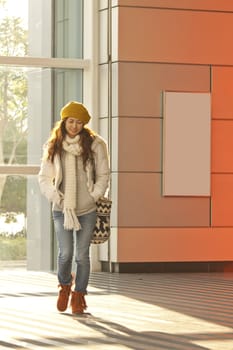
74, 174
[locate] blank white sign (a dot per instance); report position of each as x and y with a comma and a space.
186, 143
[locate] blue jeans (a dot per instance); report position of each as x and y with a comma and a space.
66, 251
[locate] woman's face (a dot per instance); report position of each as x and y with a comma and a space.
73, 126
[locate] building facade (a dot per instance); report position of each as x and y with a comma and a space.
157, 78
171, 158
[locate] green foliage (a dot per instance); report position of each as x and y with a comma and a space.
13, 37
10, 217
12, 248
13, 110
20, 155
14, 194
13, 115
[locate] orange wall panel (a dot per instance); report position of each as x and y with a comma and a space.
223, 5
175, 244
172, 45
137, 153
222, 92
140, 204
152, 35
222, 146
222, 200
140, 85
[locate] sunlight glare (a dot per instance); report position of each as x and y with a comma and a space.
17, 8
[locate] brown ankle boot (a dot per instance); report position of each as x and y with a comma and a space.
78, 302
63, 296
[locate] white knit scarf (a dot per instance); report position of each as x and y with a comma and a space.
73, 149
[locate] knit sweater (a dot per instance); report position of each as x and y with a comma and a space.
50, 176
84, 201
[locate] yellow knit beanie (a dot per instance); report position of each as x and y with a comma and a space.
75, 110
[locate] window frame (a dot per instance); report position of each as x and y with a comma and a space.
89, 65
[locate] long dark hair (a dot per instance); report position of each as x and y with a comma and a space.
57, 136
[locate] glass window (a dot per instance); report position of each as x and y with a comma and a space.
68, 28
13, 28
27, 99
13, 115
26, 108
26, 28
20, 221
67, 87
31, 96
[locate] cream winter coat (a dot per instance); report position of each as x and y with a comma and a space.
50, 175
